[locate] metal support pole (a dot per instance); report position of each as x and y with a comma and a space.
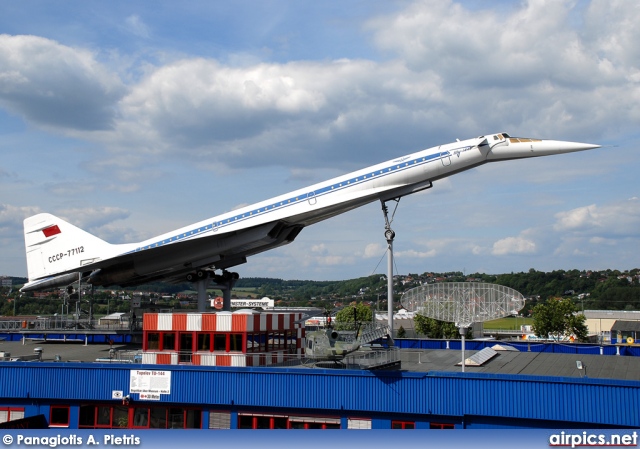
226, 298
390, 286
225, 282
389, 235
463, 332
201, 288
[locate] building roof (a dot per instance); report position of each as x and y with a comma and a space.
629, 315
622, 325
426, 360
527, 363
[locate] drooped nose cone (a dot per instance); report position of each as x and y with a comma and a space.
514, 148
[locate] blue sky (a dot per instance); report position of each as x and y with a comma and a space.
130, 119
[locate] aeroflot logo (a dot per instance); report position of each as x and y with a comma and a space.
51, 231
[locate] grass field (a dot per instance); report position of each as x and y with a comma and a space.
509, 323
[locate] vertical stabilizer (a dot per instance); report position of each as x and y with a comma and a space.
54, 246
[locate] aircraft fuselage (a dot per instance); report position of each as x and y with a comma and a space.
228, 239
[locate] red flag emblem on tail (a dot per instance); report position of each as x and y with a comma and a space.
51, 231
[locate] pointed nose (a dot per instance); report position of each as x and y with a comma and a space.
560, 146
514, 148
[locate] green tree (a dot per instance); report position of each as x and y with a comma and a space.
346, 315
423, 325
433, 328
558, 317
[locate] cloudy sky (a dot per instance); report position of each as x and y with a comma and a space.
130, 119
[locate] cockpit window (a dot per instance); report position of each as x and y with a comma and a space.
522, 140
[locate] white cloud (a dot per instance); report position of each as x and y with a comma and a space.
412, 253
70, 188
621, 218
513, 245
306, 114
136, 26
577, 218
56, 86
299, 114
11, 217
334, 260
93, 217
374, 250
532, 66
320, 249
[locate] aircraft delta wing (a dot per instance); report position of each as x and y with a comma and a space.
59, 253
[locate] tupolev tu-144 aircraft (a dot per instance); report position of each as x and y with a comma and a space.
59, 253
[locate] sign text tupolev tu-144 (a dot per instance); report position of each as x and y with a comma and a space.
59, 253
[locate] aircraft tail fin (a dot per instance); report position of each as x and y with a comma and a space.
55, 247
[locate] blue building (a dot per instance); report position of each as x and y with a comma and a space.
515, 389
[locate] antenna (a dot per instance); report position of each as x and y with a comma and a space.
463, 303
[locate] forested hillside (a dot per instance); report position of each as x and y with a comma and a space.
605, 289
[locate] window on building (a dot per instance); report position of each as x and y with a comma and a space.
403, 425
141, 417
167, 418
158, 418
219, 420
235, 342
192, 419
186, 341
103, 416
204, 342
59, 416
246, 422
153, 340
314, 422
436, 425
120, 416
279, 340
264, 421
260, 421
275, 341
253, 342
359, 424
292, 342
256, 342
169, 341
186, 347
219, 342
10, 414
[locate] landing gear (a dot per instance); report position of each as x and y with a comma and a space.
225, 282
198, 275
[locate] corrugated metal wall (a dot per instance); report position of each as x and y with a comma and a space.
588, 401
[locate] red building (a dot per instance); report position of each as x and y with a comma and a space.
242, 338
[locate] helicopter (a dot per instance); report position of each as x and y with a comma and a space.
335, 341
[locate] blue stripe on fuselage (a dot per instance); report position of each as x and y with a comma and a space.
341, 185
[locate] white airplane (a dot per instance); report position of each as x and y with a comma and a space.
59, 253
